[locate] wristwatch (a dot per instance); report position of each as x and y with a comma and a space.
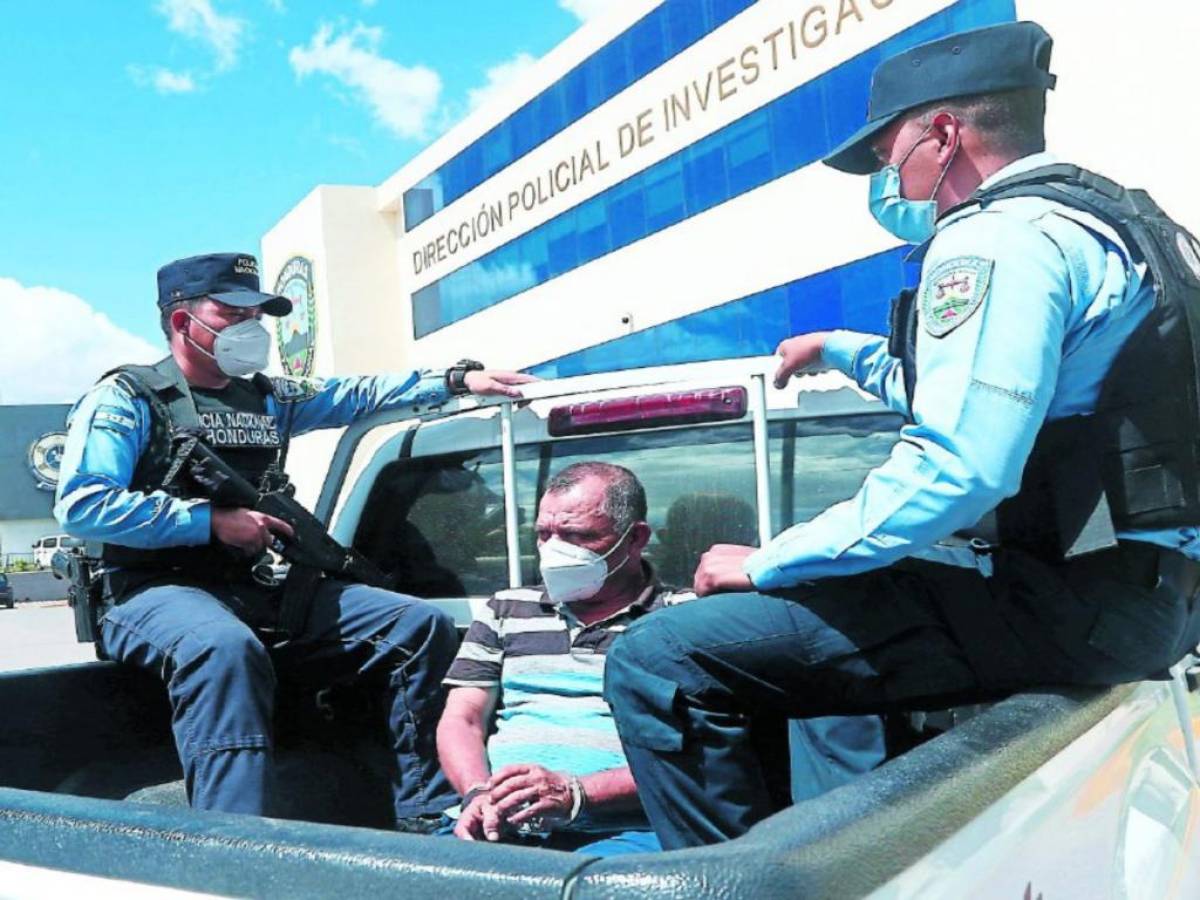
456, 375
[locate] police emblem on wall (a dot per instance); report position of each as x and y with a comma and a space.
296, 332
45, 456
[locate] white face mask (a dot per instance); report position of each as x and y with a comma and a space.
575, 573
241, 349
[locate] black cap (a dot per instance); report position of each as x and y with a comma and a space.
998, 58
231, 278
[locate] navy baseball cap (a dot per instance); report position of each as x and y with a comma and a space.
985, 60
231, 278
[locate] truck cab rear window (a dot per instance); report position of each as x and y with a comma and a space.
437, 522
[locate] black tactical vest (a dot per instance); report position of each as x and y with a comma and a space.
234, 422
1135, 462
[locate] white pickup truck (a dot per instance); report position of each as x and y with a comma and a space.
1053, 794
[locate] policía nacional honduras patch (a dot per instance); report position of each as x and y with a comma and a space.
953, 291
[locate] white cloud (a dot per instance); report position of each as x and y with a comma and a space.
162, 80
65, 345
353, 146
277, 5
499, 79
586, 10
198, 20
401, 98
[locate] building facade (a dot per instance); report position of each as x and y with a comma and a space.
651, 192
31, 442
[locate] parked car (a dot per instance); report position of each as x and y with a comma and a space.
7, 597
45, 547
1054, 793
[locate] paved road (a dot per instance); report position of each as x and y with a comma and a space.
39, 634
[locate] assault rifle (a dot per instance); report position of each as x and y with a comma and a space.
310, 550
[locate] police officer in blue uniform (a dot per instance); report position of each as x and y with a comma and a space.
1048, 379
182, 597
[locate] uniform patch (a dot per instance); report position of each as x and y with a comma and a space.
289, 390
953, 291
239, 428
113, 419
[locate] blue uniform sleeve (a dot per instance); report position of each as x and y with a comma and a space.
109, 430
306, 405
865, 358
994, 298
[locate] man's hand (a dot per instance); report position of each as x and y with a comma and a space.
529, 793
479, 820
247, 530
798, 353
491, 383
720, 570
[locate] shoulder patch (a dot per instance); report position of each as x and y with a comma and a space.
114, 419
289, 390
952, 292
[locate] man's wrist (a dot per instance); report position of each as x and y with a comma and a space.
841, 347
196, 522
578, 799
456, 376
472, 792
763, 571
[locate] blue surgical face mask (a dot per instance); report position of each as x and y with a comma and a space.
913, 221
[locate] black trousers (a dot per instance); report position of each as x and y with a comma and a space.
684, 683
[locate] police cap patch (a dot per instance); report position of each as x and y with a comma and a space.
952, 292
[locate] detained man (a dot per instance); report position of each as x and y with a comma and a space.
526, 737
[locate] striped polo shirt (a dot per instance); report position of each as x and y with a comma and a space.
549, 668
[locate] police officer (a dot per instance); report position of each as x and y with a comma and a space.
178, 571
1044, 355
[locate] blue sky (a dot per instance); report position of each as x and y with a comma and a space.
144, 130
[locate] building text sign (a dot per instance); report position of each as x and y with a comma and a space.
760, 55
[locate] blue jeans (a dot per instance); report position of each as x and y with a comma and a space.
831, 751
221, 678
602, 844
684, 683
622, 842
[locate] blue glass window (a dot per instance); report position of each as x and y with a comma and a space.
658, 36
748, 148
626, 209
753, 325
704, 178
786, 134
664, 194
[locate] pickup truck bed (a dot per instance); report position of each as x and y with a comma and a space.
77, 735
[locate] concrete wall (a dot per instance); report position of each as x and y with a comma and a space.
37, 587
1125, 101
358, 302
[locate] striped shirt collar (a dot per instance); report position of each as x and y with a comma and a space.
642, 604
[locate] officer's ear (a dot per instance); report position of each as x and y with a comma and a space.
946, 129
179, 321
